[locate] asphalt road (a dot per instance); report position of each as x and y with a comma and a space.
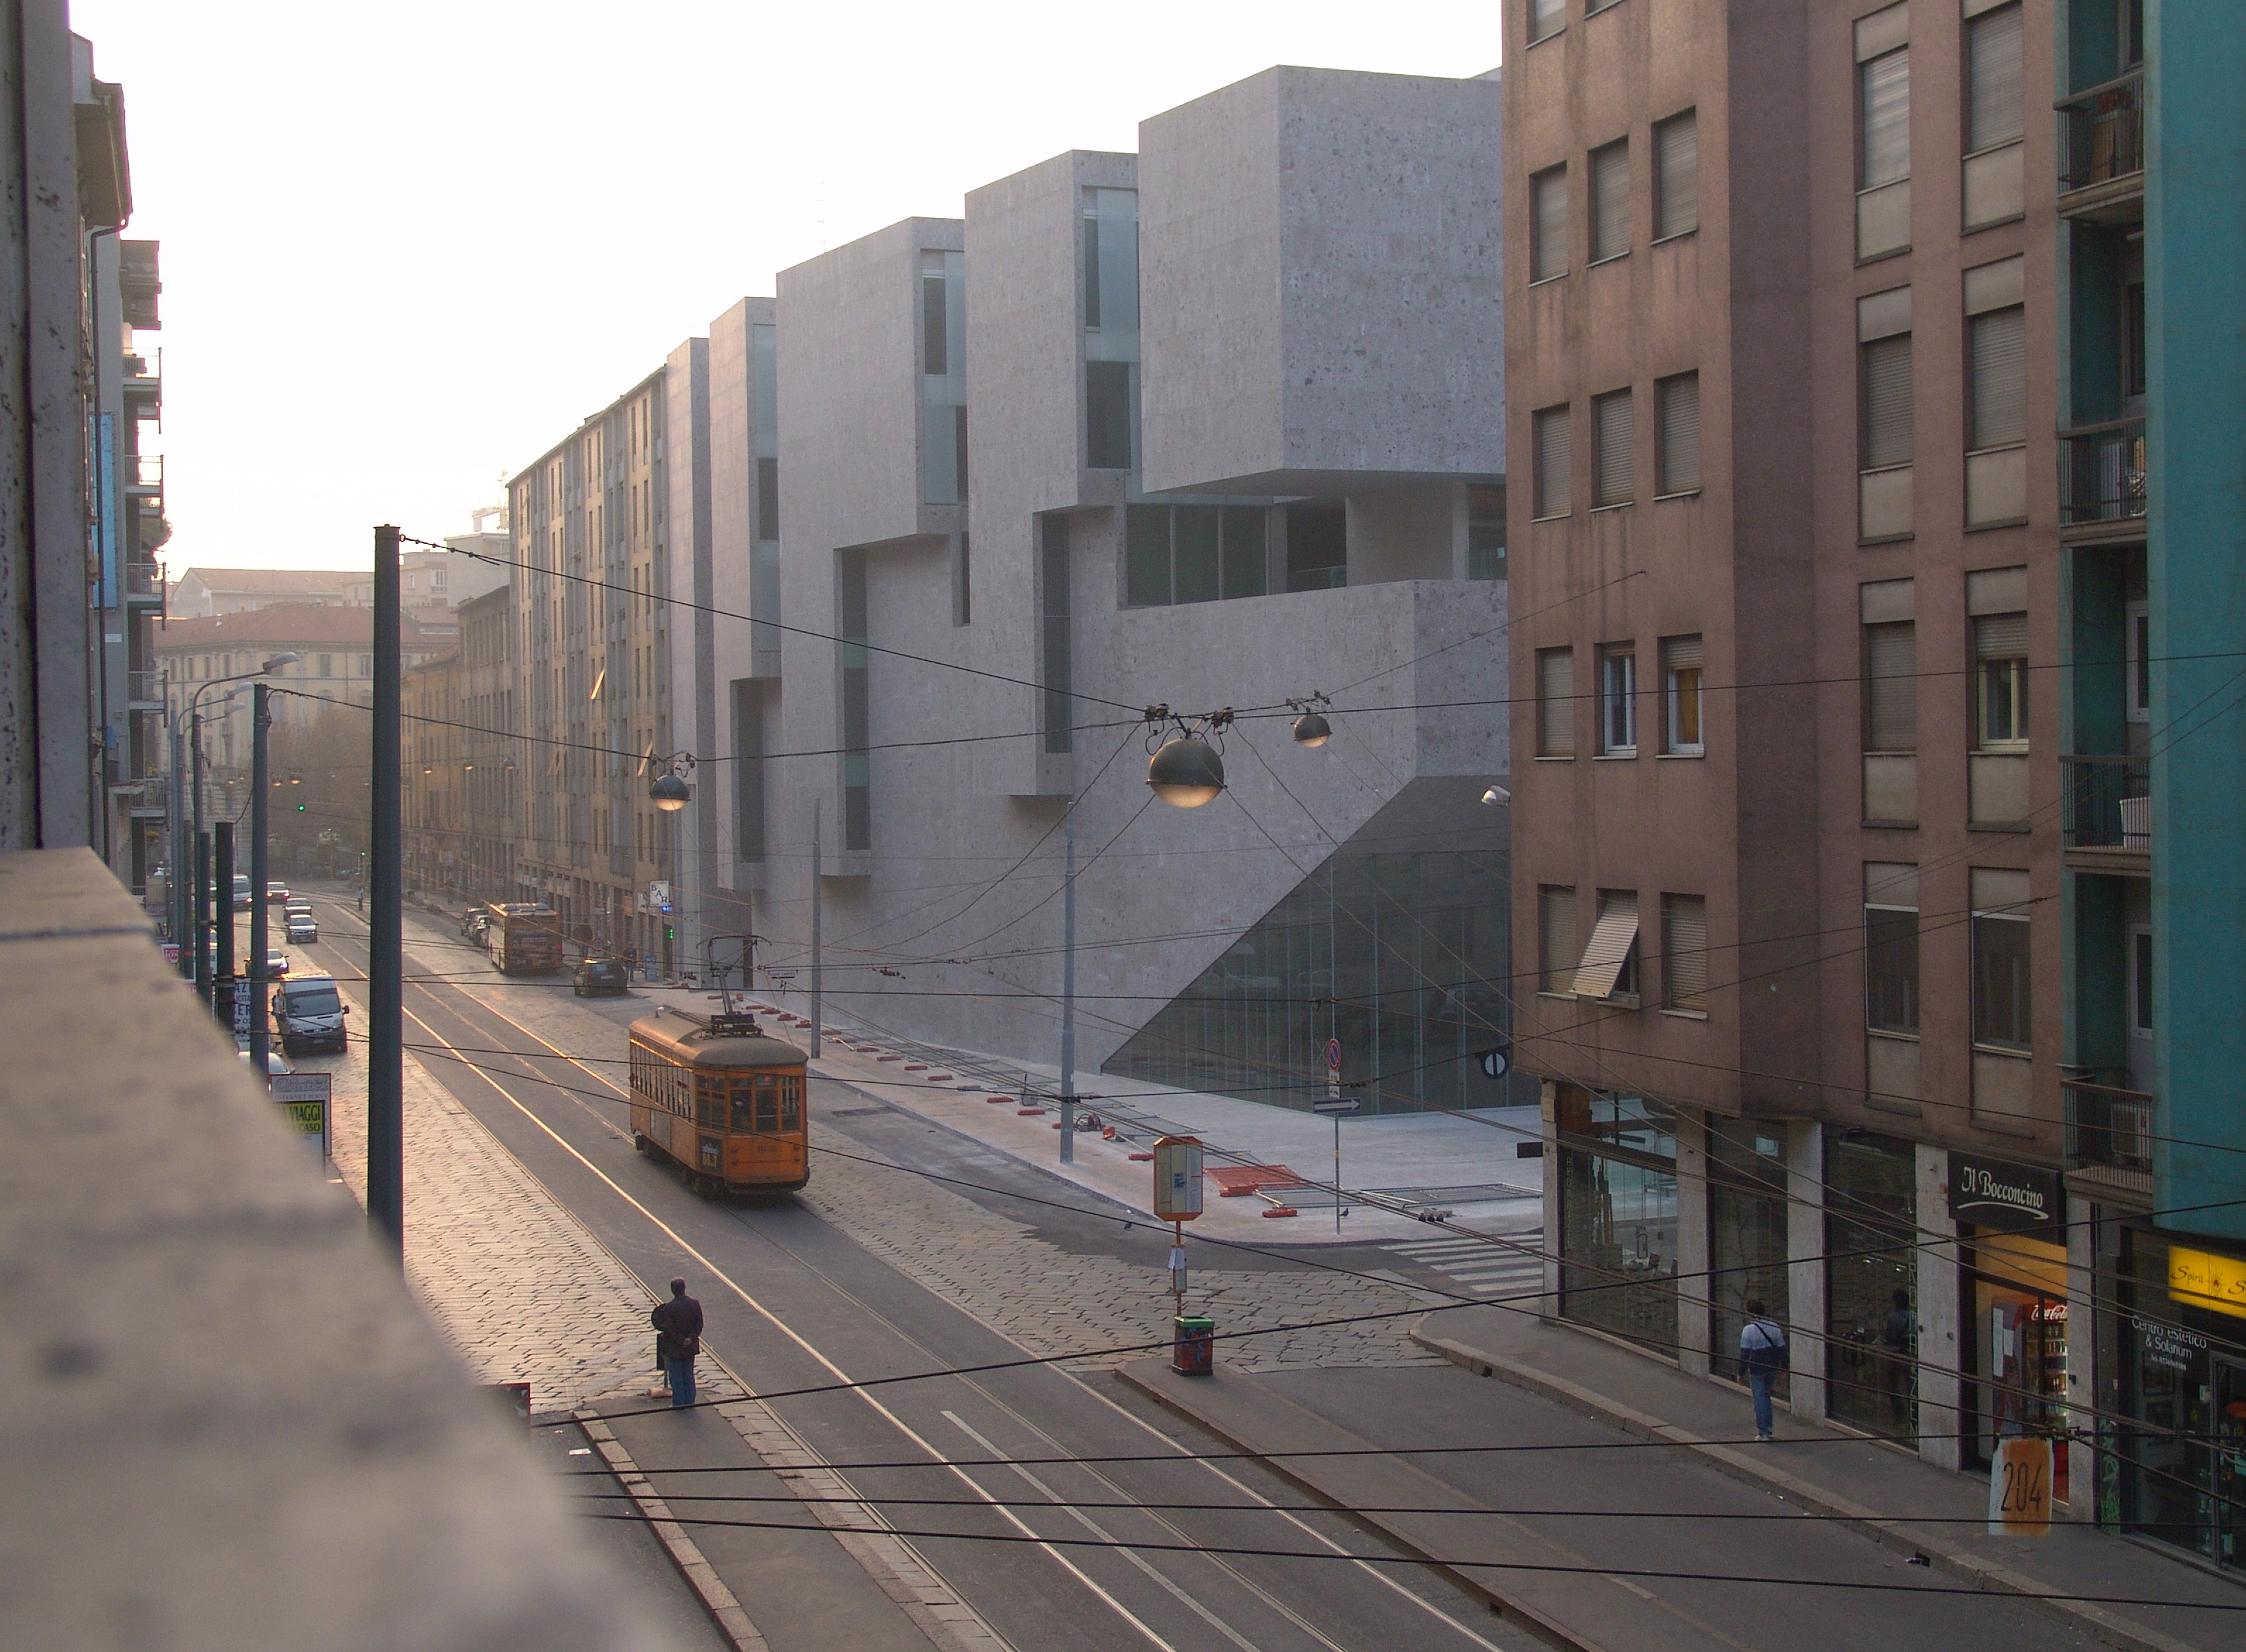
794, 1304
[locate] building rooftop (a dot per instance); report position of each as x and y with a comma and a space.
289, 623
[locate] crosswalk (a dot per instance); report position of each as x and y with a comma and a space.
1480, 1266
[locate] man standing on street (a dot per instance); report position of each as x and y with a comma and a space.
1762, 1352
677, 1340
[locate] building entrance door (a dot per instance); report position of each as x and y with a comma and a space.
2227, 1474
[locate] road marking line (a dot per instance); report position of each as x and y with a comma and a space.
788, 1331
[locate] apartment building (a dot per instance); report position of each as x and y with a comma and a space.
589, 526
2151, 174
200, 593
1781, 385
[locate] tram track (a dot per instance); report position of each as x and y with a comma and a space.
462, 1010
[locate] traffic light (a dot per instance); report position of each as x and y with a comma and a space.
300, 808
670, 932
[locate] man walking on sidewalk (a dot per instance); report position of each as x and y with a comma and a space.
1762, 1353
677, 1340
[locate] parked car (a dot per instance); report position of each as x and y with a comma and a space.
601, 977
309, 1013
302, 929
275, 1061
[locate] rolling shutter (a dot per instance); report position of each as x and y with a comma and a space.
1684, 950
1612, 937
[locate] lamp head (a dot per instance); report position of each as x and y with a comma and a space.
275, 662
1187, 773
671, 793
1312, 730
1497, 797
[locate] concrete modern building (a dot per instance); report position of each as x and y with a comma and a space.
1780, 373
1008, 530
2151, 170
590, 525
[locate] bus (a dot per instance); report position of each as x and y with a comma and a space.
722, 1100
521, 937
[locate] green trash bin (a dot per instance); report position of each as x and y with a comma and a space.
1193, 1349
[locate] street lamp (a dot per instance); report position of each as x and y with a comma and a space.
1311, 728
1497, 797
670, 790
1186, 770
191, 710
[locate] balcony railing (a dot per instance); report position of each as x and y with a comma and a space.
2101, 134
144, 686
2109, 803
2109, 1127
2102, 472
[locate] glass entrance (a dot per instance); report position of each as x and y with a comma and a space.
2017, 1349
2227, 1474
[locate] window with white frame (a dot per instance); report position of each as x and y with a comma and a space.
1618, 700
2000, 677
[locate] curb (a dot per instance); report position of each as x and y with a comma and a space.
725, 1611
1505, 1607
1989, 1576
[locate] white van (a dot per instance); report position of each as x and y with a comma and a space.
309, 1013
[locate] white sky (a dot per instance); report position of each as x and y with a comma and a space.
403, 257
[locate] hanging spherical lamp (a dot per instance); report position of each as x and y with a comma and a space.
1312, 730
671, 793
1187, 773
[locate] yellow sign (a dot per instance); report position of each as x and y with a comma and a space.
311, 1116
2020, 1489
2201, 1279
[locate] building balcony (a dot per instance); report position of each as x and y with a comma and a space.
2109, 1130
143, 581
2102, 480
144, 691
2106, 822
144, 479
2101, 151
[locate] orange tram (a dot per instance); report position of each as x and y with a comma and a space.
723, 1101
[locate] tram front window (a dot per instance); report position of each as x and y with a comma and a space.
756, 1105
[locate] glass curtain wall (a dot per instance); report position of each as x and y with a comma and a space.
1401, 956
1871, 1281
1618, 1214
1746, 1233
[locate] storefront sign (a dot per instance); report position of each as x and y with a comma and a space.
2170, 1347
2020, 1489
1996, 1193
305, 1098
2201, 1279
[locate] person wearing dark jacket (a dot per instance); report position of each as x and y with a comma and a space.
677, 1340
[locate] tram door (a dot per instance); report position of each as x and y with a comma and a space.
2227, 1479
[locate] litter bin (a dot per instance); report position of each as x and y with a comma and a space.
1193, 1351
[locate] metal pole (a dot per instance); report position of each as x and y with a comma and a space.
176, 848
817, 966
385, 1057
1336, 1172
222, 915
261, 782
1068, 988
203, 975
199, 932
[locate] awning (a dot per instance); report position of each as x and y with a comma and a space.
1611, 940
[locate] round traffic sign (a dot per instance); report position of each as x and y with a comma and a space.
1494, 1062
1333, 1054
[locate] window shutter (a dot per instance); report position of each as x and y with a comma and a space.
1611, 415
1887, 119
1611, 204
1995, 69
2000, 400
1683, 653
1548, 257
1891, 688
1554, 487
1678, 161
2001, 636
1678, 417
1684, 950
1608, 948
1556, 703
1886, 402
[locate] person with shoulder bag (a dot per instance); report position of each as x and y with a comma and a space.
1762, 1355
679, 1340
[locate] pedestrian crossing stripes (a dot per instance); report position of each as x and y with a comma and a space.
1480, 1266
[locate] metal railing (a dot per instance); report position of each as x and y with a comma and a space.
147, 473
2102, 472
2109, 1126
2101, 133
2108, 803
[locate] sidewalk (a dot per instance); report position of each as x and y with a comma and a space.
1837, 1473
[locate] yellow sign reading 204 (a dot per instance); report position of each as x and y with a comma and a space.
2201, 1279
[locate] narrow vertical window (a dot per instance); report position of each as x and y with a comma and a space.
1614, 435
1111, 329
1680, 685
1995, 72
1676, 175
857, 704
1891, 948
1891, 686
1556, 939
1884, 102
1610, 202
1485, 532
2000, 662
963, 581
1059, 703
2002, 1001
1676, 420
1618, 701
1685, 951
1998, 347
1247, 570
1548, 224
768, 498
1887, 403
1556, 703
1196, 553
944, 377
748, 770
1146, 556
2137, 643
1555, 452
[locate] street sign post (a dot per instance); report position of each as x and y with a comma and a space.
1333, 1067
1337, 1107
306, 1099
1177, 1201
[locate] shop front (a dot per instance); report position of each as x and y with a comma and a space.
1871, 1281
2013, 1309
2181, 1455
1746, 1235
1618, 1213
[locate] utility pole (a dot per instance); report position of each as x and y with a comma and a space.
260, 784
199, 932
1068, 987
206, 986
222, 890
817, 970
385, 1055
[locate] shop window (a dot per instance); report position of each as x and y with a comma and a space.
1746, 1233
1618, 1214
1871, 1281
